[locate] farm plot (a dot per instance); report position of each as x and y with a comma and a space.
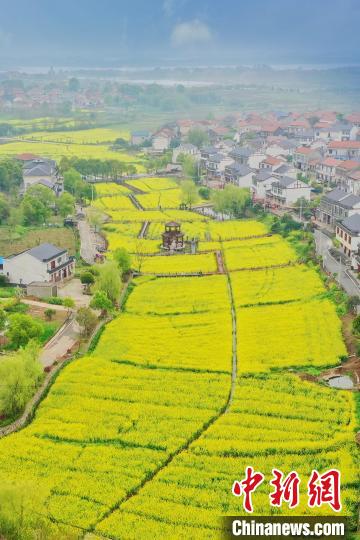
133, 245
82, 136
102, 430
105, 189
155, 215
177, 264
117, 202
168, 339
272, 423
275, 285
153, 184
258, 252
169, 198
304, 333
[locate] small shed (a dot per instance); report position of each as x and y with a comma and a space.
173, 238
41, 289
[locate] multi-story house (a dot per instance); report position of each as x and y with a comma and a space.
44, 263
215, 166
239, 175
348, 234
302, 156
343, 170
42, 171
186, 149
326, 170
344, 149
286, 191
337, 205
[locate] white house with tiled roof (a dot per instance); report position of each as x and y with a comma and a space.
45, 263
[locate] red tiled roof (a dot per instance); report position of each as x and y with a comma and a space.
349, 164
26, 157
330, 162
272, 160
304, 150
344, 144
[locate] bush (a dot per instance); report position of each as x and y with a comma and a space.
23, 328
49, 313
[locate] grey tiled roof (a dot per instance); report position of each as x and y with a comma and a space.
45, 252
352, 223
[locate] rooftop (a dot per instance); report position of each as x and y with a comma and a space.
352, 223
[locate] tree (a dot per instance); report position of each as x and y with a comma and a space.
189, 193
231, 201
43, 194
71, 178
2, 319
65, 204
11, 175
123, 260
139, 254
68, 302
197, 137
23, 328
20, 374
87, 319
204, 193
356, 325
109, 281
4, 209
34, 212
95, 217
87, 279
101, 301
49, 313
190, 167
73, 84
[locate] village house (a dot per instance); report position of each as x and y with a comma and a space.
337, 205
302, 156
270, 163
188, 150
348, 234
326, 170
343, 170
139, 137
215, 166
239, 175
344, 149
286, 191
37, 170
241, 154
43, 263
161, 140
261, 183
337, 132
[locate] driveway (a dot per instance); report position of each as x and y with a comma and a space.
59, 345
88, 242
74, 289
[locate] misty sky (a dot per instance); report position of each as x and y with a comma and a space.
242, 31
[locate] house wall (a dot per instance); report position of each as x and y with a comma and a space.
245, 181
31, 180
294, 194
160, 143
349, 243
24, 269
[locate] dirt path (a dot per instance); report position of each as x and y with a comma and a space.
144, 229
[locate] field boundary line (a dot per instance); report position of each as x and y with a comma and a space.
224, 409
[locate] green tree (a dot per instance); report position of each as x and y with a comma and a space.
11, 175
65, 204
73, 84
101, 301
109, 280
34, 212
49, 313
3, 319
189, 193
42, 194
123, 260
356, 325
20, 374
197, 137
23, 328
87, 320
4, 209
190, 167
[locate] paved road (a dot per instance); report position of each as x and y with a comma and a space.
88, 242
58, 346
343, 274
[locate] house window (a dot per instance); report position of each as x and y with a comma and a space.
52, 265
